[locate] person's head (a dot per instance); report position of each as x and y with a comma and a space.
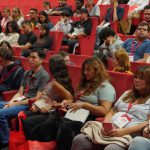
65, 55
36, 58
43, 17
79, 4
16, 13
6, 12
62, 3
26, 26
141, 88
83, 13
147, 13
59, 71
12, 27
6, 44
44, 30
33, 14
89, 3
6, 55
65, 15
93, 75
142, 31
107, 35
121, 61
46, 5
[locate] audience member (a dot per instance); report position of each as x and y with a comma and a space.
11, 33
44, 41
33, 14
147, 14
12, 72
43, 18
103, 2
6, 44
6, 17
65, 55
133, 106
1, 33
94, 10
65, 23
91, 95
80, 28
138, 48
17, 16
114, 13
79, 5
121, 61
60, 8
32, 86
47, 7
123, 1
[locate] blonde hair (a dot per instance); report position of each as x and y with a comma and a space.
19, 14
123, 60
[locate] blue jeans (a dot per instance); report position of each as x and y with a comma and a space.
140, 143
5, 114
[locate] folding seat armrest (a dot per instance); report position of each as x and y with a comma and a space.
8, 95
100, 119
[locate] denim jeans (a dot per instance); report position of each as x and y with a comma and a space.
5, 114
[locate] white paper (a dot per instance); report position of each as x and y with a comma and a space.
20, 98
79, 115
41, 103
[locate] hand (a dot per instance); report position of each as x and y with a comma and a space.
64, 103
34, 108
103, 132
146, 132
118, 132
115, 4
76, 106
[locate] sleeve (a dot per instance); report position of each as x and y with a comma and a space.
42, 82
107, 92
32, 39
24, 79
147, 50
120, 13
97, 11
87, 28
20, 21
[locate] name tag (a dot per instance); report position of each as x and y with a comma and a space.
122, 121
131, 58
20, 98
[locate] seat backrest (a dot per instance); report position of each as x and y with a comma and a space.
54, 19
121, 82
125, 37
103, 10
56, 40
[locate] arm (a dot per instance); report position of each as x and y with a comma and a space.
27, 46
109, 115
144, 58
115, 17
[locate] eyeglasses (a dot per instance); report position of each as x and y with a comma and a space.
139, 77
142, 29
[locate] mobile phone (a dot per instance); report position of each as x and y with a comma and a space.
107, 126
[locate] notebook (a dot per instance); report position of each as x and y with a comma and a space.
41, 103
79, 115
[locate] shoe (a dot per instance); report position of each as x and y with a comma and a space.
2, 146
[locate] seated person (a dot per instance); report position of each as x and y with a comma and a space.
80, 28
103, 2
60, 8
32, 86
33, 14
65, 23
123, 1
138, 48
44, 42
79, 5
132, 106
94, 10
11, 73
47, 7
43, 18
114, 13
27, 38
11, 33
121, 61
147, 14
140, 142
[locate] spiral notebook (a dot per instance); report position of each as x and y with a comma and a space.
79, 115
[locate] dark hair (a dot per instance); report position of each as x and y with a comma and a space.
144, 23
63, 54
34, 9
147, 7
7, 43
46, 27
14, 25
27, 22
40, 53
6, 54
133, 95
0, 28
43, 13
100, 75
59, 71
106, 32
81, 1
47, 3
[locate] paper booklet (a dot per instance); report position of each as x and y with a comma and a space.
79, 115
42, 103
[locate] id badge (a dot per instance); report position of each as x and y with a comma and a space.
20, 98
131, 58
122, 121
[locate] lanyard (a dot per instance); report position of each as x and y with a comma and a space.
129, 107
133, 48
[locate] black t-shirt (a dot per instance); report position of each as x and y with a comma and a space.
27, 38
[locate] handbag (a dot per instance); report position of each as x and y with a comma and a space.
17, 140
